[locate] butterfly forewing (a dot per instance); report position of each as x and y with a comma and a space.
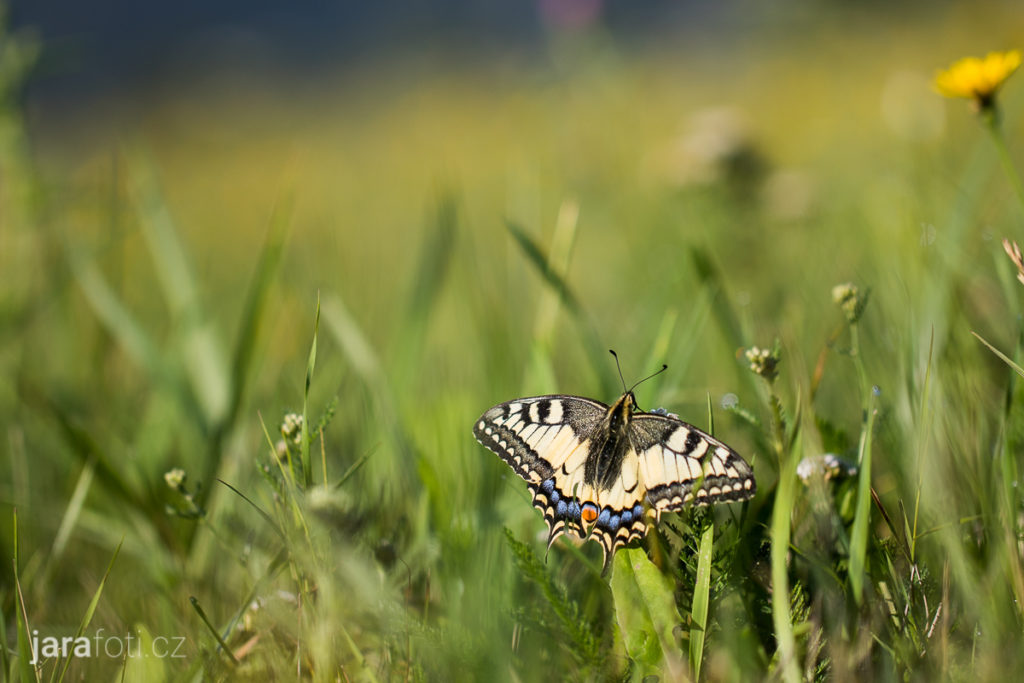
662, 464
680, 465
538, 435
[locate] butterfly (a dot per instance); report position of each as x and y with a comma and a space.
602, 472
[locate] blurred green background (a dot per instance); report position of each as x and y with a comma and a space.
699, 179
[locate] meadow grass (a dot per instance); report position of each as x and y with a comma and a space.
443, 247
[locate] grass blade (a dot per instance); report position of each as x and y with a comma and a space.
701, 598
596, 351
70, 516
201, 355
26, 668
91, 609
1002, 356
266, 517
112, 314
429, 278
535, 255
307, 469
202, 615
785, 501
256, 299
712, 278
87, 449
434, 261
862, 514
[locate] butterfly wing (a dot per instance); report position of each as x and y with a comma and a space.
679, 465
544, 439
539, 435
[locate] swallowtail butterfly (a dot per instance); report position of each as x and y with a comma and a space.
603, 471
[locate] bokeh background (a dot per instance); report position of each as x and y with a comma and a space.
180, 183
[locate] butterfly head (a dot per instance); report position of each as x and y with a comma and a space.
621, 412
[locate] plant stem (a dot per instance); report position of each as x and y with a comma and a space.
991, 121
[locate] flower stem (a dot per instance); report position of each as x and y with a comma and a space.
992, 125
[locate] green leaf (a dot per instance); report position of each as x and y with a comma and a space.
256, 304
862, 516
780, 532
151, 667
91, 609
585, 645
701, 598
1002, 356
645, 610
535, 255
434, 263
26, 670
196, 343
213, 631
307, 470
545, 266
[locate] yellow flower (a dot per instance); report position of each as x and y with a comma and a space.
978, 78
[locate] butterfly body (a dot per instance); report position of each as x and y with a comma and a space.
603, 471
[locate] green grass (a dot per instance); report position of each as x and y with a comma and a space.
440, 245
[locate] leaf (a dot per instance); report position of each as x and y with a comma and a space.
26, 668
152, 667
307, 470
595, 349
196, 343
645, 610
213, 631
701, 598
585, 645
256, 304
862, 515
434, 263
536, 256
1016, 368
780, 532
91, 609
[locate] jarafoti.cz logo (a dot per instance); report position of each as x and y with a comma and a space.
99, 645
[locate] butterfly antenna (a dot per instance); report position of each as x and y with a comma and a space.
663, 369
619, 368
